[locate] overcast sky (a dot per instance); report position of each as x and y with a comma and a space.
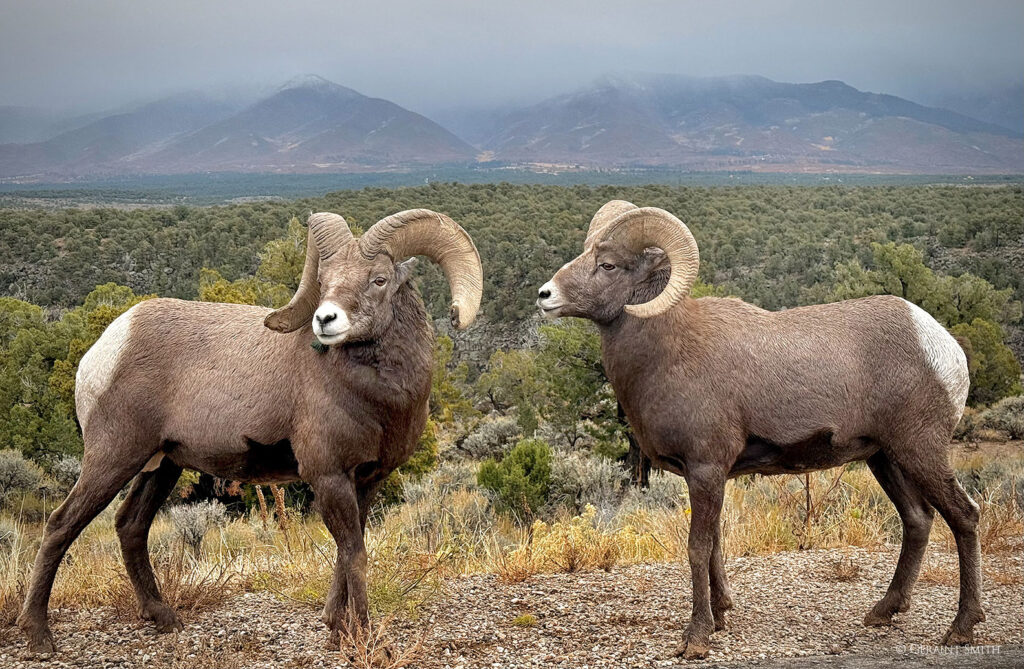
435, 55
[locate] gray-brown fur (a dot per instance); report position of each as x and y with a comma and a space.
715, 388
209, 387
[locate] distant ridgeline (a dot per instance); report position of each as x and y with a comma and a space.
314, 126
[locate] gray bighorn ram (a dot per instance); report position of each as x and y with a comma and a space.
715, 388
238, 392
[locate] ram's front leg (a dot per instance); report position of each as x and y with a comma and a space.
346, 601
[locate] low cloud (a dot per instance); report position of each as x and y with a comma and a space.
438, 55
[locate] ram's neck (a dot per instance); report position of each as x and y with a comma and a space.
632, 349
395, 369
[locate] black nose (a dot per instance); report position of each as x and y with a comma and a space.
544, 293
324, 320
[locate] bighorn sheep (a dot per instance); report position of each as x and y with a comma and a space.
173, 384
715, 388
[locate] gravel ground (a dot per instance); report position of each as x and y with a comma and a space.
788, 605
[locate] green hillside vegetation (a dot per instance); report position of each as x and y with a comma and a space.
957, 252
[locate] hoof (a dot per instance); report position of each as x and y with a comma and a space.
41, 642
164, 618
882, 612
333, 640
961, 632
876, 619
719, 610
693, 649
957, 638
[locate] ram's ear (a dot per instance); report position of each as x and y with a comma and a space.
651, 260
403, 270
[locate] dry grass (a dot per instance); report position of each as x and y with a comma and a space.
1003, 577
188, 586
12, 592
939, 575
515, 566
376, 647
845, 570
451, 530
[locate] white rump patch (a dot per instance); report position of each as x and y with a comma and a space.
944, 355
96, 370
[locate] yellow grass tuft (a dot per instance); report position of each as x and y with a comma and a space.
375, 647
525, 620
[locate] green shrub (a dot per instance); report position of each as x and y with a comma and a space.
192, 521
65, 471
967, 429
17, 475
450, 476
491, 439
521, 481
424, 458
579, 479
1006, 416
995, 372
664, 491
984, 479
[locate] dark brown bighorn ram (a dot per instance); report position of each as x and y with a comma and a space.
173, 384
715, 388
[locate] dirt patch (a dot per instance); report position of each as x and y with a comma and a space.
788, 606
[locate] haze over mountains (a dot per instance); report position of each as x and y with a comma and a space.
637, 120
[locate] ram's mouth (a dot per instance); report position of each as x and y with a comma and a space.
549, 311
332, 339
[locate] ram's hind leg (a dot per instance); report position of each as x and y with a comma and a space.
706, 484
721, 593
134, 519
916, 514
104, 472
928, 469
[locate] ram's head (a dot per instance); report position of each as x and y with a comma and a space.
628, 250
348, 285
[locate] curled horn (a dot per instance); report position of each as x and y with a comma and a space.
638, 229
603, 217
428, 233
327, 233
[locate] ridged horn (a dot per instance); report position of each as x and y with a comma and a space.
424, 232
603, 217
327, 233
638, 229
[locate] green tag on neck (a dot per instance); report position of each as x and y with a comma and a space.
319, 346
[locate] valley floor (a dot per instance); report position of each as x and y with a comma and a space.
788, 605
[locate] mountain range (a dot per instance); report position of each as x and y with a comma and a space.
1001, 106
621, 121
730, 122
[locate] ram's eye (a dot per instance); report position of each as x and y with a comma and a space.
380, 281
607, 266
